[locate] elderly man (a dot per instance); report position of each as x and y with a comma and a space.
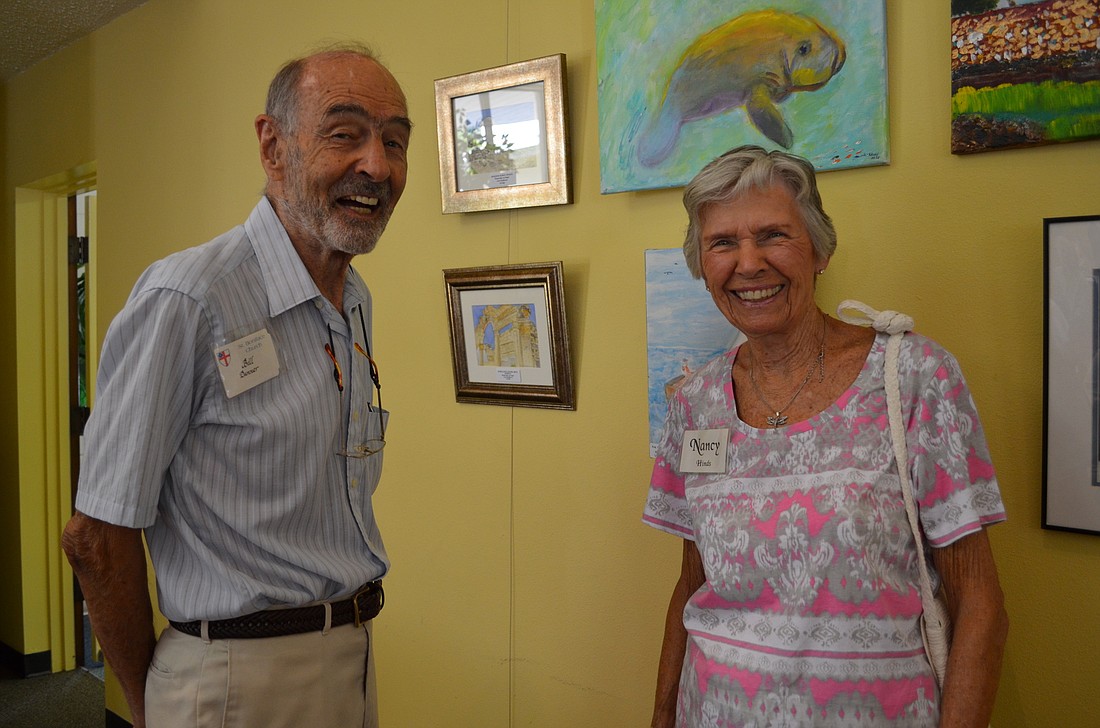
236, 423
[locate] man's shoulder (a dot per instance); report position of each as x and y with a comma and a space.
195, 270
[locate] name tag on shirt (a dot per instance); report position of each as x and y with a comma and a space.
704, 451
246, 362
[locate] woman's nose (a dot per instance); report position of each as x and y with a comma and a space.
750, 258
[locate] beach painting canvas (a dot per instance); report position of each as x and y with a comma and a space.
1024, 73
684, 330
681, 81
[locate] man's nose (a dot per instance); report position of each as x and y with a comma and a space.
372, 160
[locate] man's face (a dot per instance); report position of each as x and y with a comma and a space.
346, 161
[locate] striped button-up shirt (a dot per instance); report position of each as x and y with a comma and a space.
245, 501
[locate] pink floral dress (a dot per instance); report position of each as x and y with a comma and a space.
809, 615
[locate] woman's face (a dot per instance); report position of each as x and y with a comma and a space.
759, 262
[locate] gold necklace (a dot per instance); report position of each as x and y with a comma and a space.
779, 419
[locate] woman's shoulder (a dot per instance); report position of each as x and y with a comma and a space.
926, 366
920, 348
714, 372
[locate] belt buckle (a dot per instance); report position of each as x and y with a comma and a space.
355, 603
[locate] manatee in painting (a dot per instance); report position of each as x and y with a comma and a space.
755, 60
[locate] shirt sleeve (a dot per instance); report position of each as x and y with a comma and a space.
142, 409
666, 507
950, 465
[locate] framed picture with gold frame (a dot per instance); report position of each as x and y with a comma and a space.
509, 339
503, 137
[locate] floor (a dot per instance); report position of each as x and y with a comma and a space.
71, 699
62, 700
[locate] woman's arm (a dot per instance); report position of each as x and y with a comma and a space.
979, 629
675, 640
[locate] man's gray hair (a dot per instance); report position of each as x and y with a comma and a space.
282, 94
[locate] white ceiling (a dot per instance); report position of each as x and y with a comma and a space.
31, 30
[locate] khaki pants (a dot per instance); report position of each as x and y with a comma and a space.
312, 679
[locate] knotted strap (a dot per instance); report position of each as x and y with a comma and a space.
887, 322
935, 627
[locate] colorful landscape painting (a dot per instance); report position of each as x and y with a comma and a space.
684, 330
681, 81
1023, 73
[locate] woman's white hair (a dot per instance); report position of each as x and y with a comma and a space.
751, 167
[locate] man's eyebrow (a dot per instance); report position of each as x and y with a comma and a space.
360, 111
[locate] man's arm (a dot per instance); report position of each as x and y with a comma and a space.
675, 641
109, 561
979, 629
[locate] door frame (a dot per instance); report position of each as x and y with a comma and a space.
42, 373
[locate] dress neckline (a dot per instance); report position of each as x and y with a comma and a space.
874, 357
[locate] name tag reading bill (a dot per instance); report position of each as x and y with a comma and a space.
246, 362
704, 451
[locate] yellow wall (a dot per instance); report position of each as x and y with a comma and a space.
47, 138
525, 590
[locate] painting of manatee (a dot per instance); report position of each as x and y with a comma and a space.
681, 81
754, 61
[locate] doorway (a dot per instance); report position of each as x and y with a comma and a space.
48, 214
80, 214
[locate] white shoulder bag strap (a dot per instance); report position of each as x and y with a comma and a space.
935, 627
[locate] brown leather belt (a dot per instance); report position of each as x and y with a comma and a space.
362, 607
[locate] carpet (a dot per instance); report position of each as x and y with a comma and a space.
62, 700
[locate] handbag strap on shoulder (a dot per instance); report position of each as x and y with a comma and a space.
895, 324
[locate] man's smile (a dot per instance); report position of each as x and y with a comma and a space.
360, 205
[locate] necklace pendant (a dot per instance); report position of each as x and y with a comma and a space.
777, 420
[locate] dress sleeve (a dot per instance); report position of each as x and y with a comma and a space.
950, 465
666, 507
144, 395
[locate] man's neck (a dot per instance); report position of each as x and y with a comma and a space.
327, 267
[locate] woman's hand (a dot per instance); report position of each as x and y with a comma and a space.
691, 578
979, 630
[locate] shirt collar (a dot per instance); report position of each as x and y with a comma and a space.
286, 280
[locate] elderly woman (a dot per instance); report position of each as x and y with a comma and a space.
797, 602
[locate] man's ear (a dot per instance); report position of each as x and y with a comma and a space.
272, 147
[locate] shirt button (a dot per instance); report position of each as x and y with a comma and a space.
355, 416
355, 482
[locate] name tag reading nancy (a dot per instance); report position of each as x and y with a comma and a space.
704, 451
246, 362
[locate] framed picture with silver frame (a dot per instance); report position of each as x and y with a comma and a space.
509, 339
503, 137
1071, 368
